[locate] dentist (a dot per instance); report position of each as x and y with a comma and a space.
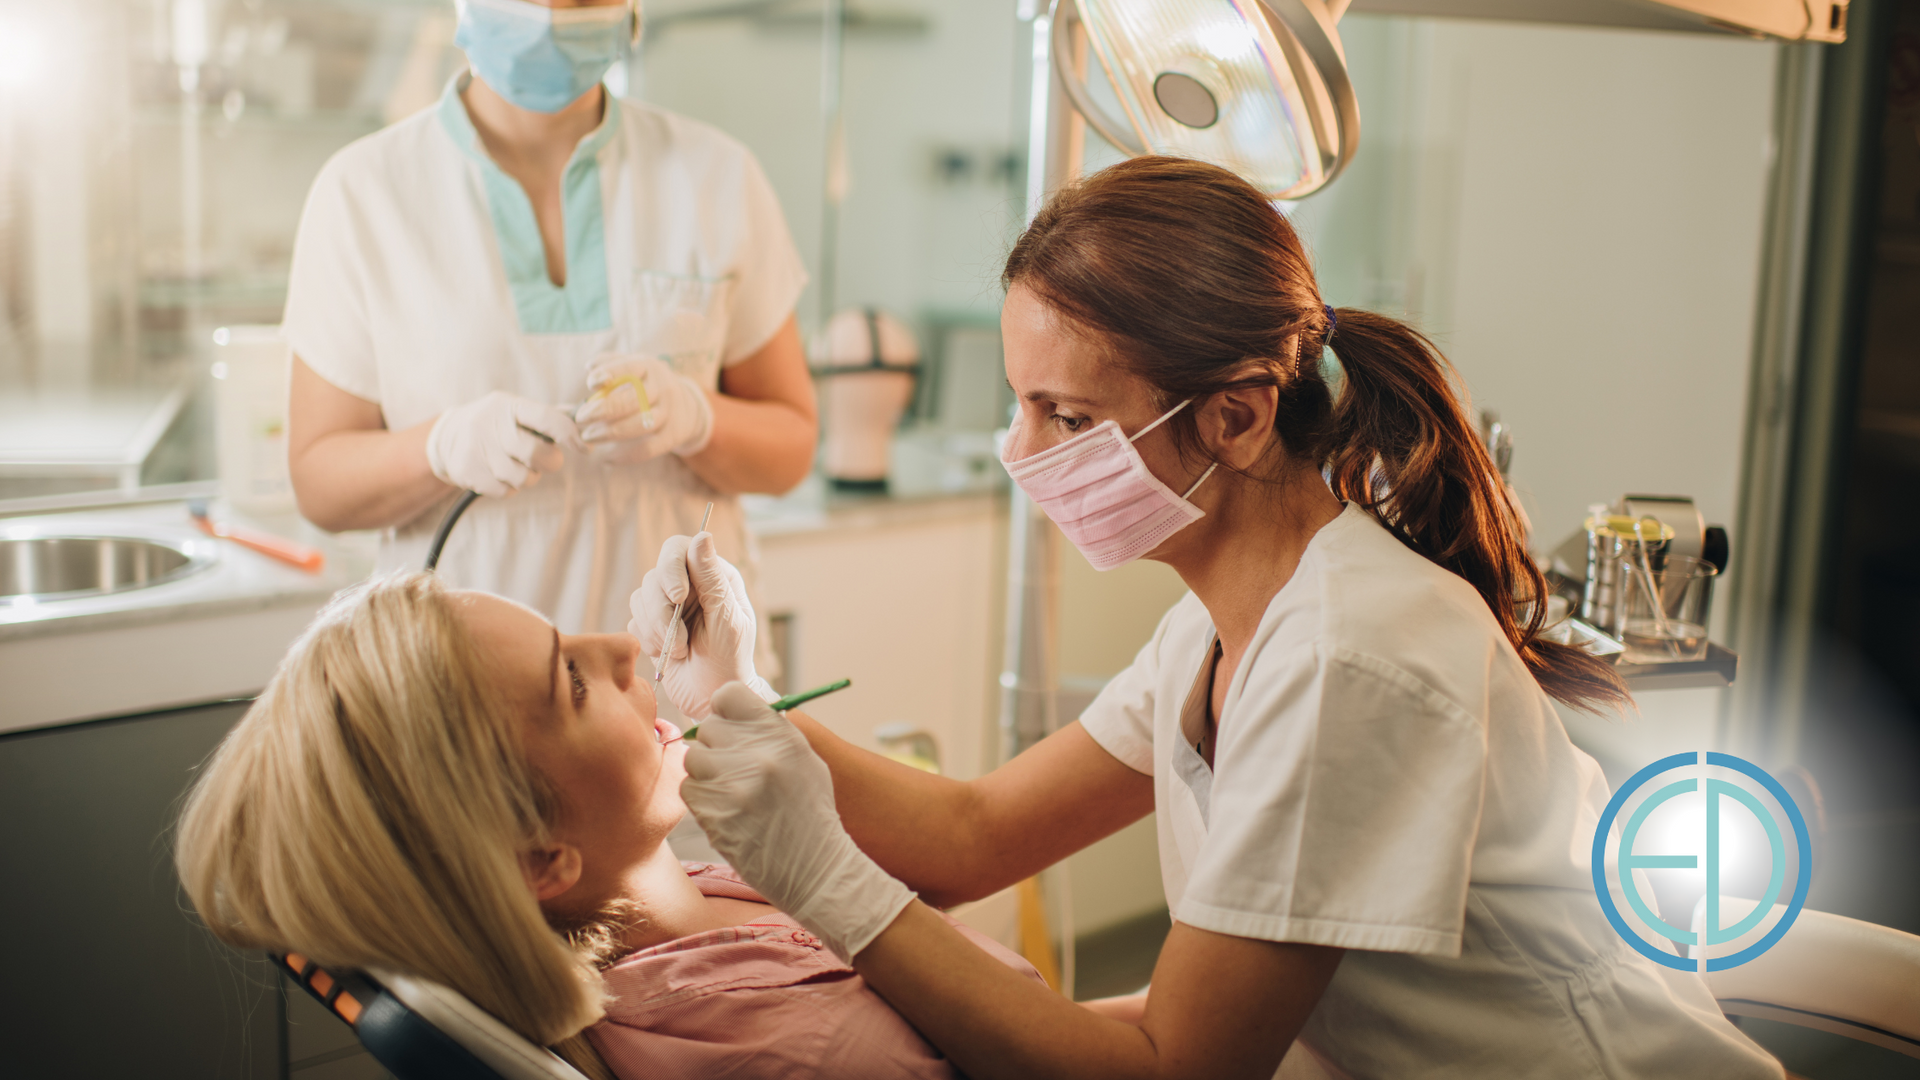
1373, 828
533, 277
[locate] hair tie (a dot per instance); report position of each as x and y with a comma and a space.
1333, 323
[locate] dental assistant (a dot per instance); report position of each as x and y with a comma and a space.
531, 278
1373, 828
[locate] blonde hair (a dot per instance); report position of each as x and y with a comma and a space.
369, 810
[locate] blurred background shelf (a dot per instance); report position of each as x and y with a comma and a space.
1716, 669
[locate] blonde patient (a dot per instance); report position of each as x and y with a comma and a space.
440, 783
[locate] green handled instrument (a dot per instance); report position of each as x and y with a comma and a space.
788, 702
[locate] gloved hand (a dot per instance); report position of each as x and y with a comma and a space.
494, 445
644, 408
717, 613
765, 800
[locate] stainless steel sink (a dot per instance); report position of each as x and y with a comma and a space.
34, 569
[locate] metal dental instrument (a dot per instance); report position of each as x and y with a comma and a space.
785, 703
662, 669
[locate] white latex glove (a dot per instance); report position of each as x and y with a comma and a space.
643, 408
717, 613
765, 799
494, 445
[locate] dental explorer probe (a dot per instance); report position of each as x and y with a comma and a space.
783, 704
662, 669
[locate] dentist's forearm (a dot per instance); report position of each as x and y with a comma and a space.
1129, 1008
365, 479
900, 816
953, 841
758, 447
348, 470
1221, 1007
764, 420
990, 1020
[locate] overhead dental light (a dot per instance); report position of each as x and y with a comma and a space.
1256, 86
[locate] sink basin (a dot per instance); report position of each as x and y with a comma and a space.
34, 569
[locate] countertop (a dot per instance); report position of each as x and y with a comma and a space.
241, 580
815, 507
211, 635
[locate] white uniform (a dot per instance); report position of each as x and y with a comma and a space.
419, 283
1389, 778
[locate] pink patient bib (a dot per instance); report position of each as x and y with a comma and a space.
761, 1001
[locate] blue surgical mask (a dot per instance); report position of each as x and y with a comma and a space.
541, 58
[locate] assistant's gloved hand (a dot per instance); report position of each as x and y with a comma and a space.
717, 612
765, 800
643, 408
493, 445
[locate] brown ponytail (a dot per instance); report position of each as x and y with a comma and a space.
1199, 285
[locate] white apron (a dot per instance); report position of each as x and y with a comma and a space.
419, 283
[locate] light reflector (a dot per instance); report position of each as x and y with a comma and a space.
1256, 89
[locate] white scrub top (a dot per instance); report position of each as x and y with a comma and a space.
1390, 779
419, 283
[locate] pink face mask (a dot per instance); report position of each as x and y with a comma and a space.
1096, 488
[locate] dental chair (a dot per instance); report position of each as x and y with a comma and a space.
1828, 972
421, 1030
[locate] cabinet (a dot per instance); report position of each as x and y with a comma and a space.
905, 597
108, 973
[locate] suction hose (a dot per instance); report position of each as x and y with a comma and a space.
446, 526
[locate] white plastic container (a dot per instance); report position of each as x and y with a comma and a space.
250, 373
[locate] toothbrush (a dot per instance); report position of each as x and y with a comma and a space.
312, 560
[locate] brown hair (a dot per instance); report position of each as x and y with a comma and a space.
1199, 285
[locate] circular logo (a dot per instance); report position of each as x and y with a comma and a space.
1713, 792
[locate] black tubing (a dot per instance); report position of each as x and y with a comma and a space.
446, 526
